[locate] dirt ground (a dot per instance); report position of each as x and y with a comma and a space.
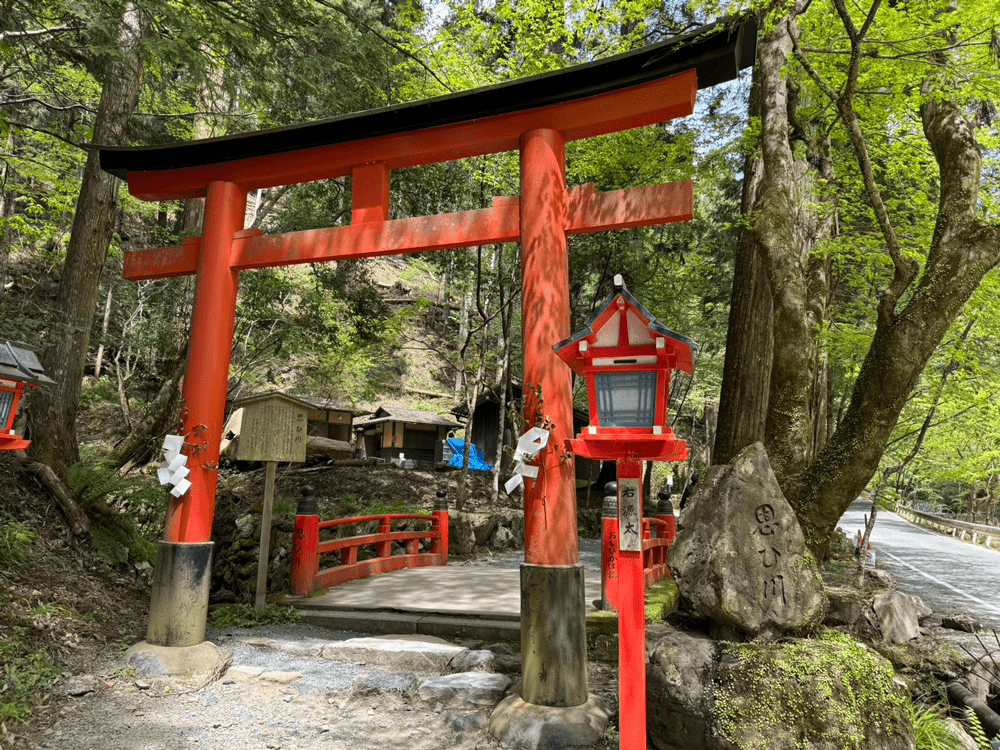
71, 612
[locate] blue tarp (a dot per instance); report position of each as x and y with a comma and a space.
476, 460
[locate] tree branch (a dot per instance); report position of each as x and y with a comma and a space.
403, 51
906, 269
5, 35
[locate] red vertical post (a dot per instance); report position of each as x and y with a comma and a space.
189, 518
553, 626
384, 549
550, 500
631, 633
609, 549
305, 541
439, 545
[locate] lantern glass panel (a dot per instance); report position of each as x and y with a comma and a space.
6, 401
625, 399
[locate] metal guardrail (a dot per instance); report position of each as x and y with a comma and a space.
988, 536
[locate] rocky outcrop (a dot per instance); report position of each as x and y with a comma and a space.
681, 671
493, 531
740, 557
819, 694
899, 615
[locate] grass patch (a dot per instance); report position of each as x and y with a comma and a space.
246, 616
23, 680
932, 733
15, 543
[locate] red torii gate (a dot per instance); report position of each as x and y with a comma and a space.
536, 116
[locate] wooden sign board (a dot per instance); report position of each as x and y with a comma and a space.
274, 429
630, 514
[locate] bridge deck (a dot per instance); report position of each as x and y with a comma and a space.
465, 599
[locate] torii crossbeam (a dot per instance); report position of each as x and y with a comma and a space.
535, 116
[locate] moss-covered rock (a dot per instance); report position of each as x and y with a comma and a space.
829, 693
825, 693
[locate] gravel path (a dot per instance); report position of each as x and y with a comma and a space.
265, 700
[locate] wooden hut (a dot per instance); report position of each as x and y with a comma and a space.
391, 432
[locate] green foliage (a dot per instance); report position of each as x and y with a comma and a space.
932, 733
119, 541
246, 616
15, 543
99, 390
114, 535
23, 679
976, 730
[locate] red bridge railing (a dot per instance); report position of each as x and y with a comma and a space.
657, 535
307, 549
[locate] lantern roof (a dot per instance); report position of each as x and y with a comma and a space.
602, 330
20, 362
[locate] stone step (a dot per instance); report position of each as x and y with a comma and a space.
442, 626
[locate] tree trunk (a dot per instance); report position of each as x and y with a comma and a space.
104, 331
142, 443
964, 248
52, 414
749, 341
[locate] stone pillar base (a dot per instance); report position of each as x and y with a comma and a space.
179, 609
192, 662
525, 726
553, 635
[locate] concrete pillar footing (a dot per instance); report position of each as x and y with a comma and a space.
553, 635
525, 726
191, 662
179, 607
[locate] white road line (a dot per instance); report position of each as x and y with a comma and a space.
958, 591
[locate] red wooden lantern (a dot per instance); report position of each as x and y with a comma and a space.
626, 357
19, 366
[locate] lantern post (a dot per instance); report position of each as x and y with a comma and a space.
626, 356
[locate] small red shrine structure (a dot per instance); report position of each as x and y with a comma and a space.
19, 367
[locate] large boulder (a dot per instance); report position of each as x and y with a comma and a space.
826, 693
740, 558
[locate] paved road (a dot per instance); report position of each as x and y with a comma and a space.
949, 575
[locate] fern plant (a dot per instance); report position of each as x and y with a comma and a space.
117, 538
977, 731
15, 543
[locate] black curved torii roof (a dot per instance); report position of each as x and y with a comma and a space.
717, 52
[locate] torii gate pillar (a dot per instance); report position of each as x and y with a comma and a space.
182, 576
553, 625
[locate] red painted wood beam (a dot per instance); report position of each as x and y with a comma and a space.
587, 211
369, 193
624, 109
189, 518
